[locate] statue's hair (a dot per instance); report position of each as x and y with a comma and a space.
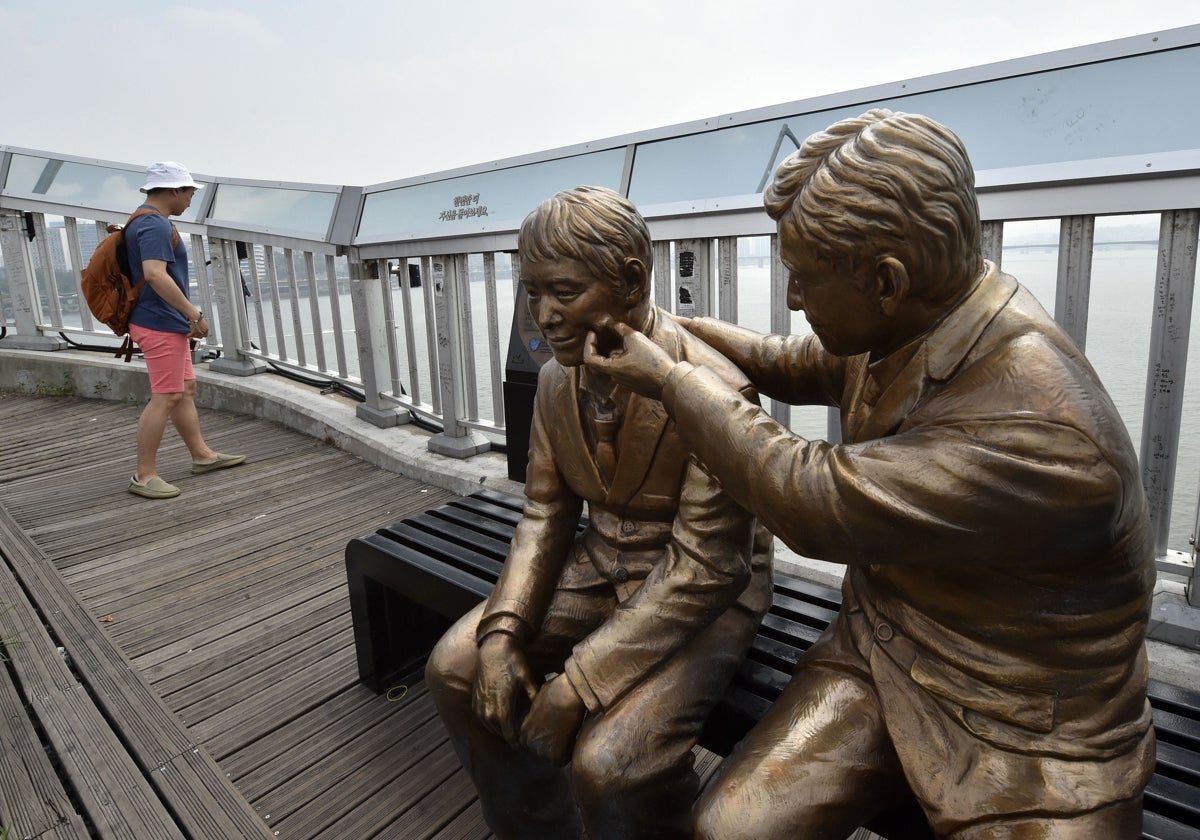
594, 225
885, 183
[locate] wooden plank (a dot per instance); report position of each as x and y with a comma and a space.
235, 648
226, 616
327, 811
468, 824
432, 812
33, 801
322, 737
241, 670
273, 532
204, 800
152, 734
395, 798
110, 788
250, 684
366, 763
243, 722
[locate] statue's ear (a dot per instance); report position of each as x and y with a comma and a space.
892, 284
636, 280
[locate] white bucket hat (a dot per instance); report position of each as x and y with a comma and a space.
168, 174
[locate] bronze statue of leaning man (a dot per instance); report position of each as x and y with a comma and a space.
644, 617
989, 656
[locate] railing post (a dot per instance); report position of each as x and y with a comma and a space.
693, 277
1170, 326
663, 276
22, 287
231, 310
727, 279
781, 320
370, 329
455, 439
991, 236
1073, 288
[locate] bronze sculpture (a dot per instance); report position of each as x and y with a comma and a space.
645, 616
986, 501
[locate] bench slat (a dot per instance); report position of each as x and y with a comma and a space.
1158, 827
485, 507
447, 551
1174, 799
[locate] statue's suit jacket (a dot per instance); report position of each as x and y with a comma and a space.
990, 511
676, 548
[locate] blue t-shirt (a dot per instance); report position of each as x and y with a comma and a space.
149, 238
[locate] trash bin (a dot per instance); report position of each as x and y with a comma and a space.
527, 352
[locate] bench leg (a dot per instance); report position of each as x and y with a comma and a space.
392, 635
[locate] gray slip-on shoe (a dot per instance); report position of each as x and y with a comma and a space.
155, 488
221, 463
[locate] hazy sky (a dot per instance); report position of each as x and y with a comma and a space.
365, 91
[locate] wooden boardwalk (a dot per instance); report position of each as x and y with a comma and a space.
227, 615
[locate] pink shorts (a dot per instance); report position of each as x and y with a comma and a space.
168, 359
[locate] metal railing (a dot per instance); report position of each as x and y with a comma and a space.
427, 336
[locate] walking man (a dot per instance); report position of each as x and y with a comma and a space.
163, 322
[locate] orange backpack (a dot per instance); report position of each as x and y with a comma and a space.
109, 292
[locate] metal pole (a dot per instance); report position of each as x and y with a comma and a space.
1170, 326
370, 330
455, 439
22, 287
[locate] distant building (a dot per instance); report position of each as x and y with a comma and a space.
56, 236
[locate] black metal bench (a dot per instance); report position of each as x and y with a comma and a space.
410, 581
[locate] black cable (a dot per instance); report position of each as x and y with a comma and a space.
97, 348
326, 385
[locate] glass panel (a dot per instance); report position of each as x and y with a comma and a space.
479, 202
80, 184
297, 211
1076, 113
1031, 255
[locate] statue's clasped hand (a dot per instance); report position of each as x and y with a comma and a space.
504, 686
628, 357
553, 722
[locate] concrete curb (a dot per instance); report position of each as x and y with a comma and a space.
294, 405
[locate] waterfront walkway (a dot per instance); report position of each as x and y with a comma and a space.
230, 604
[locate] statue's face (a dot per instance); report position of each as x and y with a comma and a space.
567, 301
842, 307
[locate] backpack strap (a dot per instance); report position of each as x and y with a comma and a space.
126, 349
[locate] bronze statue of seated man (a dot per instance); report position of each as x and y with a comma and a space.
985, 498
644, 618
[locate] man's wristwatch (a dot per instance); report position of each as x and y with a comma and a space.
199, 317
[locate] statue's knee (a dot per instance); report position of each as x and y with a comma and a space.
451, 664
599, 768
711, 819
705, 824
